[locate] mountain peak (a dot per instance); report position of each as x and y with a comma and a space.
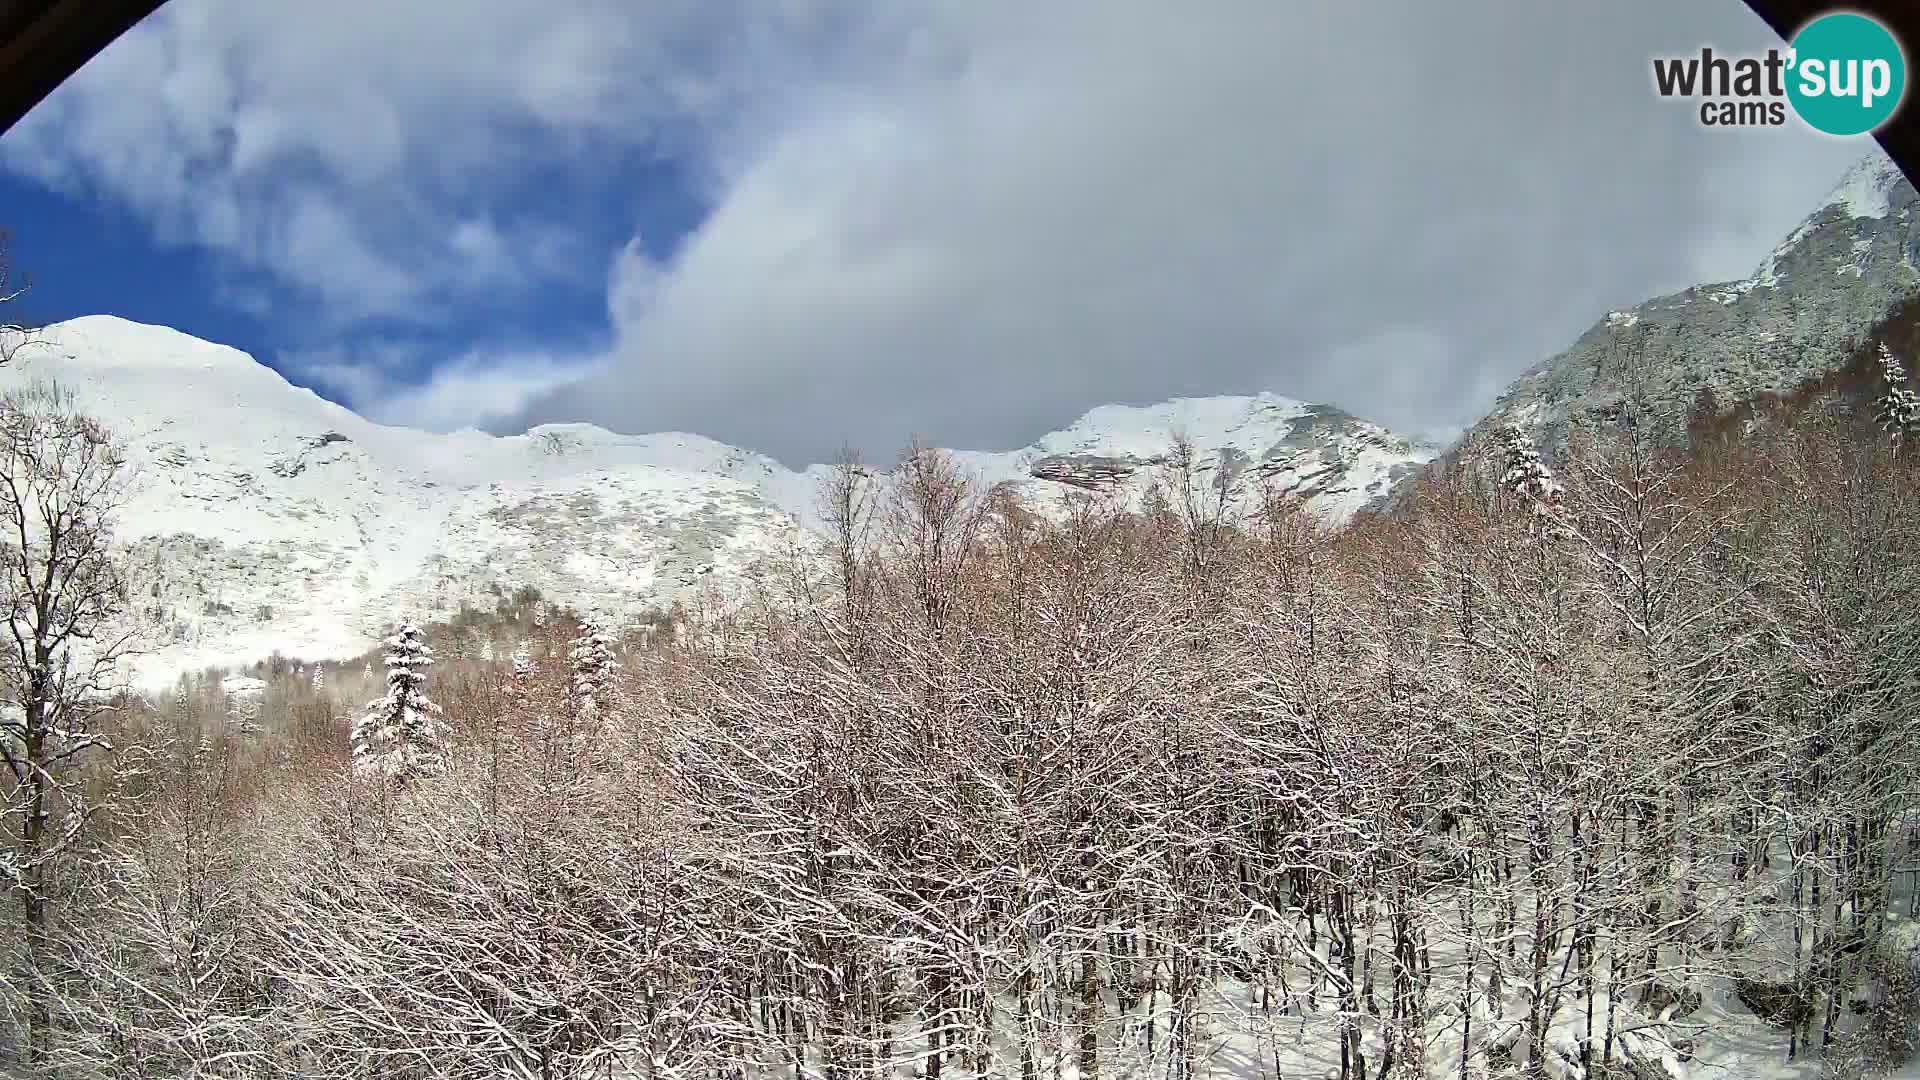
1870, 190
267, 518
1819, 292
110, 340
1866, 191
1333, 462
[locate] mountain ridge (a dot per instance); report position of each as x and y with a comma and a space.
1799, 316
266, 518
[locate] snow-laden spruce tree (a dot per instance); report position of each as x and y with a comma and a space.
1897, 409
591, 660
1525, 475
244, 710
400, 735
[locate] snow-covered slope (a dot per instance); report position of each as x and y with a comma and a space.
265, 517
1799, 315
1333, 462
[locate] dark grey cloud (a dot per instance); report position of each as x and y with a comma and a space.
1393, 206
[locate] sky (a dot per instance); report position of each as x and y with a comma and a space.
794, 225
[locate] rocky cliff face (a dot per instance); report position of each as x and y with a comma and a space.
1330, 460
266, 518
1798, 316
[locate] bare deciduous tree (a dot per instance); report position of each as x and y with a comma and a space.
15, 333
62, 478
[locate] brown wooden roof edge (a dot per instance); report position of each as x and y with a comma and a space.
43, 42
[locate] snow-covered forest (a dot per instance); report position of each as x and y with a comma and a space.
1595, 766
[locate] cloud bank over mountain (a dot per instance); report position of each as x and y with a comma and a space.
801, 223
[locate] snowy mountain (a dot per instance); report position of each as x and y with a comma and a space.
1796, 317
264, 517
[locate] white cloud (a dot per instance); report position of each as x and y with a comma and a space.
470, 391
1394, 206
342, 148
970, 219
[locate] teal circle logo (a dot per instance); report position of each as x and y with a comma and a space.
1846, 75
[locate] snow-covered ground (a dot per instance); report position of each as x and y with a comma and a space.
1258, 1031
265, 518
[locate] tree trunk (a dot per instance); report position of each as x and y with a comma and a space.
34, 885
